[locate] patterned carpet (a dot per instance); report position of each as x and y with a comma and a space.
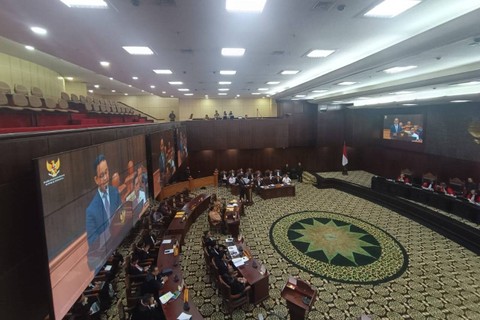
441, 281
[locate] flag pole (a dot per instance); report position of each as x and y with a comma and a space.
344, 160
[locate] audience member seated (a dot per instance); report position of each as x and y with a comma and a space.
237, 284
208, 240
135, 269
153, 282
148, 309
403, 178
428, 185
473, 197
224, 266
86, 307
286, 179
470, 185
232, 179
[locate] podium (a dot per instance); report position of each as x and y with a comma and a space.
300, 297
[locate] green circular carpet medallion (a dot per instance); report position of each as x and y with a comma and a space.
338, 247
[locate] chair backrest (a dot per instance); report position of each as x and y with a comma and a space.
3, 99
37, 92
407, 172
429, 177
224, 288
35, 102
4, 87
74, 97
457, 185
19, 100
82, 99
50, 103
20, 89
63, 104
64, 96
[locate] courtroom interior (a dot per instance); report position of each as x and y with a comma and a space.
179, 159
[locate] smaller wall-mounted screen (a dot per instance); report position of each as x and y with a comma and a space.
162, 146
404, 127
182, 146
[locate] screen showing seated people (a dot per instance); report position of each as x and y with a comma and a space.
162, 146
403, 127
182, 146
91, 198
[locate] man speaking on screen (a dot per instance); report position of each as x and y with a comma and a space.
99, 213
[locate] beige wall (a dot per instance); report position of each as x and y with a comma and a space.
239, 107
17, 71
155, 106
78, 88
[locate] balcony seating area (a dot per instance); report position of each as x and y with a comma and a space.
23, 110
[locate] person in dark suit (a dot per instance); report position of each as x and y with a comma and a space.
147, 309
100, 212
153, 282
395, 129
299, 172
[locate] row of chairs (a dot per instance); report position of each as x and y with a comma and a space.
21, 99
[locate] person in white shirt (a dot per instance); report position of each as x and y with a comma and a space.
286, 179
232, 179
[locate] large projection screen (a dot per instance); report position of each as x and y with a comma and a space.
90, 198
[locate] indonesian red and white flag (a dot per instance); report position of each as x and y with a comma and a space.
344, 156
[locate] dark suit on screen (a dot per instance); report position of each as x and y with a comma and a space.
97, 222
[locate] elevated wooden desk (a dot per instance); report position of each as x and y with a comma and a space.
277, 191
251, 271
181, 225
300, 297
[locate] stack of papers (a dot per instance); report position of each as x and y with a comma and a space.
166, 297
238, 262
233, 251
168, 251
184, 316
167, 241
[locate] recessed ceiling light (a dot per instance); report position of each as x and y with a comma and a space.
206, 96
319, 91
460, 101
188, 94
29, 48
97, 86
113, 90
470, 83
69, 78
300, 96
222, 94
135, 78
138, 50
162, 71
38, 30
273, 82
164, 92
125, 94
104, 63
238, 96
233, 52
409, 104
92, 4
183, 89
263, 89
91, 91
110, 78
175, 83
228, 72
346, 83
289, 72
129, 85
317, 53
401, 92
255, 93
223, 89
152, 86
252, 6
224, 82
391, 8
399, 69
172, 96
